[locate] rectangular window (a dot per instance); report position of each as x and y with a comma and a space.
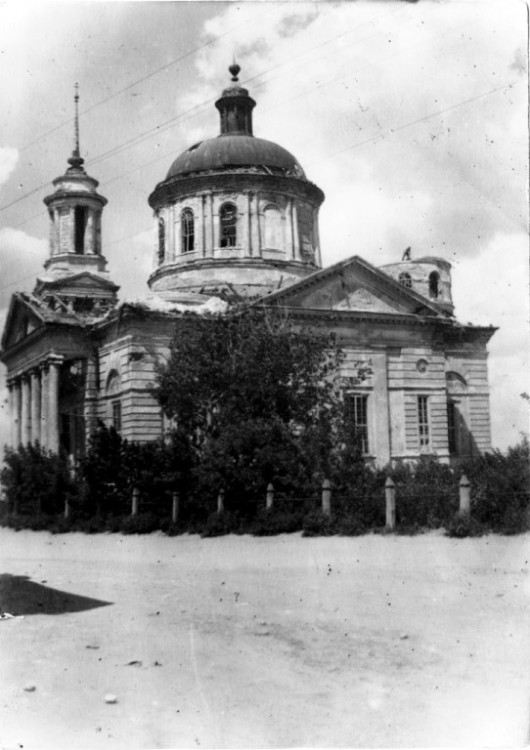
116, 415
357, 405
423, 423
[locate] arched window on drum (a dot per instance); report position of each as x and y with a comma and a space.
228, 225
187, 231
273, 227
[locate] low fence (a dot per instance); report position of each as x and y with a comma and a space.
272, 497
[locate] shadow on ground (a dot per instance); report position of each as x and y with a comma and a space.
19, 595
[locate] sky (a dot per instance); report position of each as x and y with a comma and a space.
411, 117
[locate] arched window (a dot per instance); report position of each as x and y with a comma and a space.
273, 227
187, 231
434, 284
80, 221
161, 241
228, 221
405, 279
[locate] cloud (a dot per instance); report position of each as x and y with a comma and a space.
494, 291
21, 259
8, 162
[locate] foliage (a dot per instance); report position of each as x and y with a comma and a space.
427, 493
461, 526
143, 523
256, 400
36, 481
500, 488
271, 521
317, 523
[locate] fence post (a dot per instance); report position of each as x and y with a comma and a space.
270, 496
221, 501
175, 507
390, 498
134, 508
326, 497
465, 496
66, 508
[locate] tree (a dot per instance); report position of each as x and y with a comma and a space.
256, 398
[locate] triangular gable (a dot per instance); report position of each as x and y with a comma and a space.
79, 284
23, 317
352, 285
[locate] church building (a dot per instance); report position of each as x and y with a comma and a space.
236, 218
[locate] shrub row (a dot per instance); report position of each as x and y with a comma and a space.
37, 485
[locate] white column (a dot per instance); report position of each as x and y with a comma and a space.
289, 228
171, 248
316, 239
25, 418
44, 405
90, 232
294, 225
53, 406
17, 415
249, 224
258, 224
35, 405
211, 226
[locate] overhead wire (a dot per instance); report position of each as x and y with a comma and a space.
182, 116
129, 86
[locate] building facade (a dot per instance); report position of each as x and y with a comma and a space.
236, 218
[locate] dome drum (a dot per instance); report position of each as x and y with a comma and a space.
228, 227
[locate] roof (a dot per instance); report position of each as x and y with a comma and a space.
232, 150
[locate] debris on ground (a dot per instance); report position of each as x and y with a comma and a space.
111, 698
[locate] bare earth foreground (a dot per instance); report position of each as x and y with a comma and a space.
244, 642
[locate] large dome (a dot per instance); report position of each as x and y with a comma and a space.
235, 151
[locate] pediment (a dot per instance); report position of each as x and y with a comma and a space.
22, 319
77, 285
353, 285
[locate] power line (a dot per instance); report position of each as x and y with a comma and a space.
146, 77
391, 131
182, 116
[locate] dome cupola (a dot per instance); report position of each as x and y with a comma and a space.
235, 107
236, 215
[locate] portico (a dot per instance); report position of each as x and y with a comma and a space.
34, 404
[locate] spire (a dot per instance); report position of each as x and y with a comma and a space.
75, 160
235, 106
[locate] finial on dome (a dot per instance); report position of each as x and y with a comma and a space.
75, 160
234, 70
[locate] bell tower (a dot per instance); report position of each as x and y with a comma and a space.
75, 209
76, 279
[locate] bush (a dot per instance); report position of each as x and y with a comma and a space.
462, 526
143, 523
219, 524
500, 488
317, 523
269, 522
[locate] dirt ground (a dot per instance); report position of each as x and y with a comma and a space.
277, 642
